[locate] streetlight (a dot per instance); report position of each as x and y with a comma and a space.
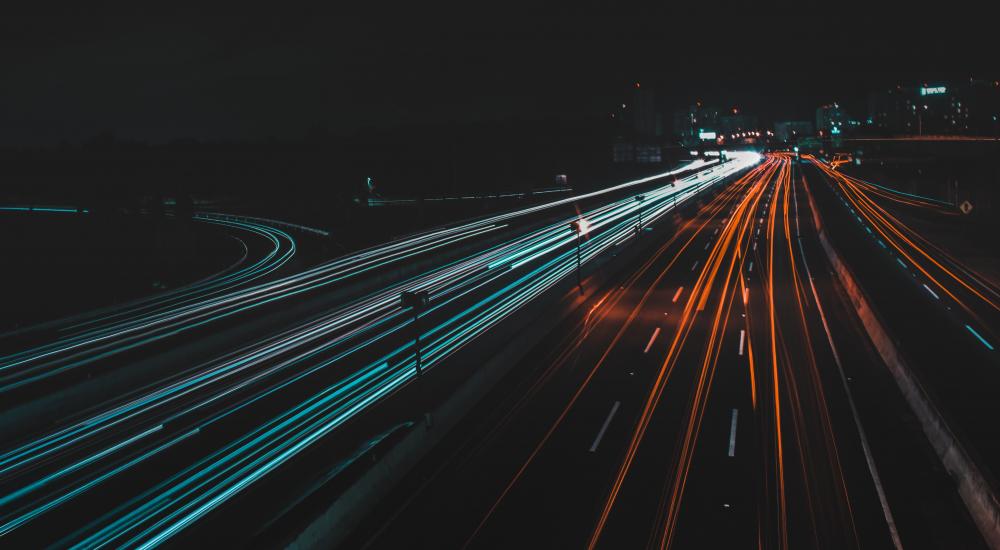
580, 227
417, 302
638, 229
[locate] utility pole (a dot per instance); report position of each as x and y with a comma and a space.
417, 302
638, 231
579, 227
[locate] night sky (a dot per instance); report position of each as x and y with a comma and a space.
252, 75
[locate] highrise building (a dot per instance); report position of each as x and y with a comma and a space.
792, 130
831, 120
968, 107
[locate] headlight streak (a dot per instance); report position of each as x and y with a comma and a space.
282, 249
272, 444
941, 270
163, 303
213, 285
172, 322
735, 237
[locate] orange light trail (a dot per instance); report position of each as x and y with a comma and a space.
711, 210
738, 224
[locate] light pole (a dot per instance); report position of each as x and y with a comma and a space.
579, 227
638, 229
417, 302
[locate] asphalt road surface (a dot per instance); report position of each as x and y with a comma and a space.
207, 437
721, 396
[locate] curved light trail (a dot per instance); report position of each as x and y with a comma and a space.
204, 430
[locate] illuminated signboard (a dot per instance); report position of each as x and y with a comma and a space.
704, 134
933, 90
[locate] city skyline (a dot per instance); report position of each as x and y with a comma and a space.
154, 79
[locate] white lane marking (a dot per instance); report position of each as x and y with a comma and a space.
732, 434
677, 295
651, 339
751, 267
708, 244
934, 294
716, 231
872, 469
755, 245
980, 337
743, 337
695, 265
795, 201
604, 428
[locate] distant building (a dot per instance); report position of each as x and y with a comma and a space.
623, 152
793, 129
735, 122
968, 107
626, 152
690, 123
684, 128
831, 120
641, 113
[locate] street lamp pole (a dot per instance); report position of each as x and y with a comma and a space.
575, 226
417, 302
638, 229
416, 338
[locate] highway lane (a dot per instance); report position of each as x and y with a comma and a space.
955, 369
265, 250
71, 354
804, 495
554, 498
172, 453
622, 435
945, 278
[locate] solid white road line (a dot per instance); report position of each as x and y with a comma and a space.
934, 294
732, 434
604, 428
652, 339
869, 459
743, 337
